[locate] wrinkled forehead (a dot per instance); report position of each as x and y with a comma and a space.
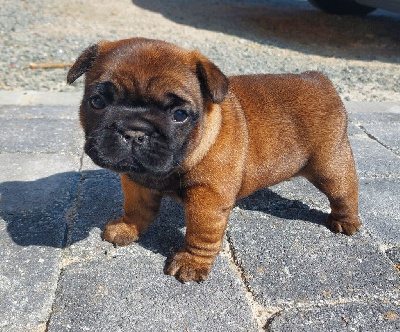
150, 72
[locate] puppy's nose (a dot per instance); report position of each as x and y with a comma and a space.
136, 135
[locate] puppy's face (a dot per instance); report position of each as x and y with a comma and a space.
142, 104
137, 133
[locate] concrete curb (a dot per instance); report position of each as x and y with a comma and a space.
33, 98
49, 98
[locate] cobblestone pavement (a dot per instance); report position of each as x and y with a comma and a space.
280, 268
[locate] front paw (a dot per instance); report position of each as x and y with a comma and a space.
186, 267
120, 233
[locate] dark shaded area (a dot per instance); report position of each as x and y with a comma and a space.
35, 211
60, 210
270, 202
294, 25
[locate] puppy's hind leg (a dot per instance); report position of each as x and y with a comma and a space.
335, 175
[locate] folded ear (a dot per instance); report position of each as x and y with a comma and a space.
83, 63
214, 84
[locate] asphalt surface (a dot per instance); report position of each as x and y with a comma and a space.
281, 269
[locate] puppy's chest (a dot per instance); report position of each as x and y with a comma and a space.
173, 186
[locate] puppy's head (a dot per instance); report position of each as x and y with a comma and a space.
143, 101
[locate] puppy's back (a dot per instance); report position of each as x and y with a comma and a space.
289, 118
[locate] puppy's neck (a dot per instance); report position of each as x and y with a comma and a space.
206, 136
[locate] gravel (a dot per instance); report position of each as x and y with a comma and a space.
361, 55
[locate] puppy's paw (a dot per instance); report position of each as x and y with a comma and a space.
187, 267
348, 226
120, 233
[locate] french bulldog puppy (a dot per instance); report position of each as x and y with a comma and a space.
173, 124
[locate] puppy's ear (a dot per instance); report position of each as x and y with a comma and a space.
214, 84
83, 63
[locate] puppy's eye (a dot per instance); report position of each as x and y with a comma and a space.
97, 102
180, 116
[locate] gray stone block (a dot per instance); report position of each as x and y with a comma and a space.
374, 160
394, 256
41, 135
30, 182
380, 208
362, 118
382, 317
35, 201
130, 293
29, 271
382, 127
388, 134
290, 258
143, 297
100, 200
30, 166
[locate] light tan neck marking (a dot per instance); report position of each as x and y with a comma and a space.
212, 127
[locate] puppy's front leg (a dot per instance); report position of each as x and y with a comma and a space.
141, 206
206, 219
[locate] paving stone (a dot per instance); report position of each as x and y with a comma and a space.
130, 293
394, 256
353, 130
384, 127
374, 160
387, 134
380, 208
363, 118
41, 135
100, 200
382, 317
302, 261
36, 182
32, 230
136, 299
29, 270
281, 199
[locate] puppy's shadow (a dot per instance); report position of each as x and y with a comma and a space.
272, 203
58, 210
166, 235
63, 209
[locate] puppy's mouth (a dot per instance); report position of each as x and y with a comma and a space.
130, 152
